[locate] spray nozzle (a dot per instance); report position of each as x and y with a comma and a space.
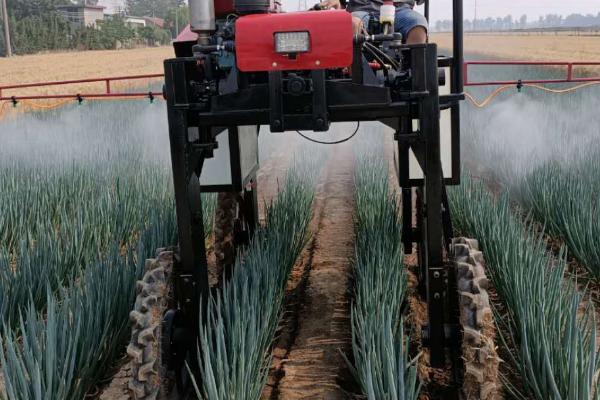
519, 85
79, 99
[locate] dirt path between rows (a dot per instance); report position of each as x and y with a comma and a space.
308, 363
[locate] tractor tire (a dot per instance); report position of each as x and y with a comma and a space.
481, 379
224, 231
149, 378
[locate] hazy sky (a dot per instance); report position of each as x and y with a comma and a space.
442, 9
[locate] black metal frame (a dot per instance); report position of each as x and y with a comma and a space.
263, 99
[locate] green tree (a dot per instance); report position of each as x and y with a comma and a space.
153, 35
152, 8
107, 35
37, 33
177, 19
20, 9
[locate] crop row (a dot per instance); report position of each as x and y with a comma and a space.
82, 206
562, 196
543, 148
380, 348
234, 355
549, 327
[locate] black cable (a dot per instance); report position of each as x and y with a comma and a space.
377, 58
384, 54
336, 142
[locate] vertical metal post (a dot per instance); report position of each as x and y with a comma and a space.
432, 235
191, 270
7, 41
427, 10
357, 64
465, 73
457, 46
176, 22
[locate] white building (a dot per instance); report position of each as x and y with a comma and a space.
135, 22
81, 15
113, 6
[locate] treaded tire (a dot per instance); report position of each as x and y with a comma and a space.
480, 358
149, 380
224, 243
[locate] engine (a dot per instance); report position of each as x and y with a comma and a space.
203, 13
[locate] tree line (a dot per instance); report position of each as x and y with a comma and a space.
36, 25
510, 23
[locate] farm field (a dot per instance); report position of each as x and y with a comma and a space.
317, 306
80, 65
526, 47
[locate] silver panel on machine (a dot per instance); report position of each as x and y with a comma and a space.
248, 142
235, 161
217, 170
414, 169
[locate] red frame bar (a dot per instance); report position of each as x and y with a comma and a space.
106, 80
110, 94
83, 96
569, 76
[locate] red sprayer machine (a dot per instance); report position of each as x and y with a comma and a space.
248, 64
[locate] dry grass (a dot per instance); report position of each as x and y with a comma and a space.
528, 47
80, 65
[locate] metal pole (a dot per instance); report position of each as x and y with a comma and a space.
176, 22
458, 57
475, 17
6, 30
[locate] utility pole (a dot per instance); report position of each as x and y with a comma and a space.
6, 30
475, 19
177, 21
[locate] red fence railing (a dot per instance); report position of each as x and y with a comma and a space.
569, 77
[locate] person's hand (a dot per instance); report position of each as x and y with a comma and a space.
334, 4
357, 25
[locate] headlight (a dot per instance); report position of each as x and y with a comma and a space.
292, 42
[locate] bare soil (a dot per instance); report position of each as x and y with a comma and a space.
308, 362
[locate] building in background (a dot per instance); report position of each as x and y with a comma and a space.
153, 21
135, 22
81, 15
113, 6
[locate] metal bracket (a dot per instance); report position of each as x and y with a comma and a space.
320, 115
409, 139
276, 101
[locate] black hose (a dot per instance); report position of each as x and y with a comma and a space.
377, 58
335, 142
383, 53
